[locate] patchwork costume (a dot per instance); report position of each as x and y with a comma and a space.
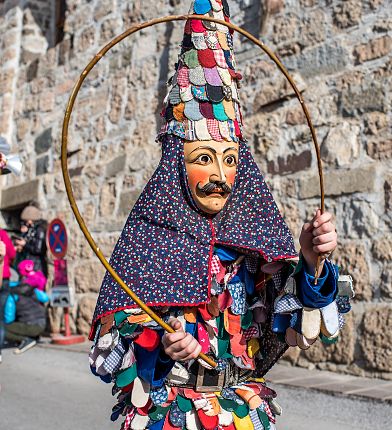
233, 280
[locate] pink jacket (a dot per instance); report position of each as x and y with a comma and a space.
9, 253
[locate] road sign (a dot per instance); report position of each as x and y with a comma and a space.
57, 238
61, 297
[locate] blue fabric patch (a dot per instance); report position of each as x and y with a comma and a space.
322, 294
201, 7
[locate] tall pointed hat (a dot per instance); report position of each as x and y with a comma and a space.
203, 102
165, 250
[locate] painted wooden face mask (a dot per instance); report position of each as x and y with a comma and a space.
211, 169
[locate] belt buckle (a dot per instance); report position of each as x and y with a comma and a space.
201, 380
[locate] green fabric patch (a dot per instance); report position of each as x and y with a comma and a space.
247, 319
219, 112
191, 59
227, 405
185, 405
125, 377
127, 329
223, 346
119, 317
241, 410
264, 419
157, 413
328, 340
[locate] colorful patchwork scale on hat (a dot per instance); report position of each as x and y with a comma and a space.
206, 80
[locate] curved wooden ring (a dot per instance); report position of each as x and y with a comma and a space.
67, 117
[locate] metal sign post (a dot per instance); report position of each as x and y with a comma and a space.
61, 296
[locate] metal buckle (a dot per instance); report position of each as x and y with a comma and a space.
200, 380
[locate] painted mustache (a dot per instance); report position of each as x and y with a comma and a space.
211, 186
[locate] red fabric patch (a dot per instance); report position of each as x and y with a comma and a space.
144, 410
208, 423
206, 58
207, 110
188, 27
204, 313
128, 388
224, 300
237, 129
197, 26
203, 338
148, 339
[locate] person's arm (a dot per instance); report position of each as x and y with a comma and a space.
2, 254
9, 246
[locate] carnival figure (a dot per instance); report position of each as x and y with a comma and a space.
207, 248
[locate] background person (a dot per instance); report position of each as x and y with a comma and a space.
32, 243
25, 315
7, 254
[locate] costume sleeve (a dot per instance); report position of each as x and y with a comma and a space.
321, 294
304, 312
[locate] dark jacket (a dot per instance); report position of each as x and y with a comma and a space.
35, 248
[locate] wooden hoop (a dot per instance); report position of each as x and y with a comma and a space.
64, 142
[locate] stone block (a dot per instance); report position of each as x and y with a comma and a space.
115, 166
382, 248
42, 165
379, 149
6, 80
291, 164
341, 352
86, 307
376, 339
88, 277
19, 195
43, 142
324, 59
341, 145
340, 182
386, 282
375, 122
353, 260
47, 102
368, 96
127, 201
374, 49
347, 13
107, 200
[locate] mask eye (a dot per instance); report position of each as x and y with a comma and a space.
203, 159
230, 160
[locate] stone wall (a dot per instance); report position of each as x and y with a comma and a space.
340, 53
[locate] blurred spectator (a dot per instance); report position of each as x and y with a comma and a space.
25, 314
7, 254
32, 243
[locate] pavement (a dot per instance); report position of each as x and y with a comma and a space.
287, 375
51, 387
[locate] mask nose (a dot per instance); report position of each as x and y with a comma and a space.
218, 177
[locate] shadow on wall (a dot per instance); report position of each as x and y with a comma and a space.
43, 18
